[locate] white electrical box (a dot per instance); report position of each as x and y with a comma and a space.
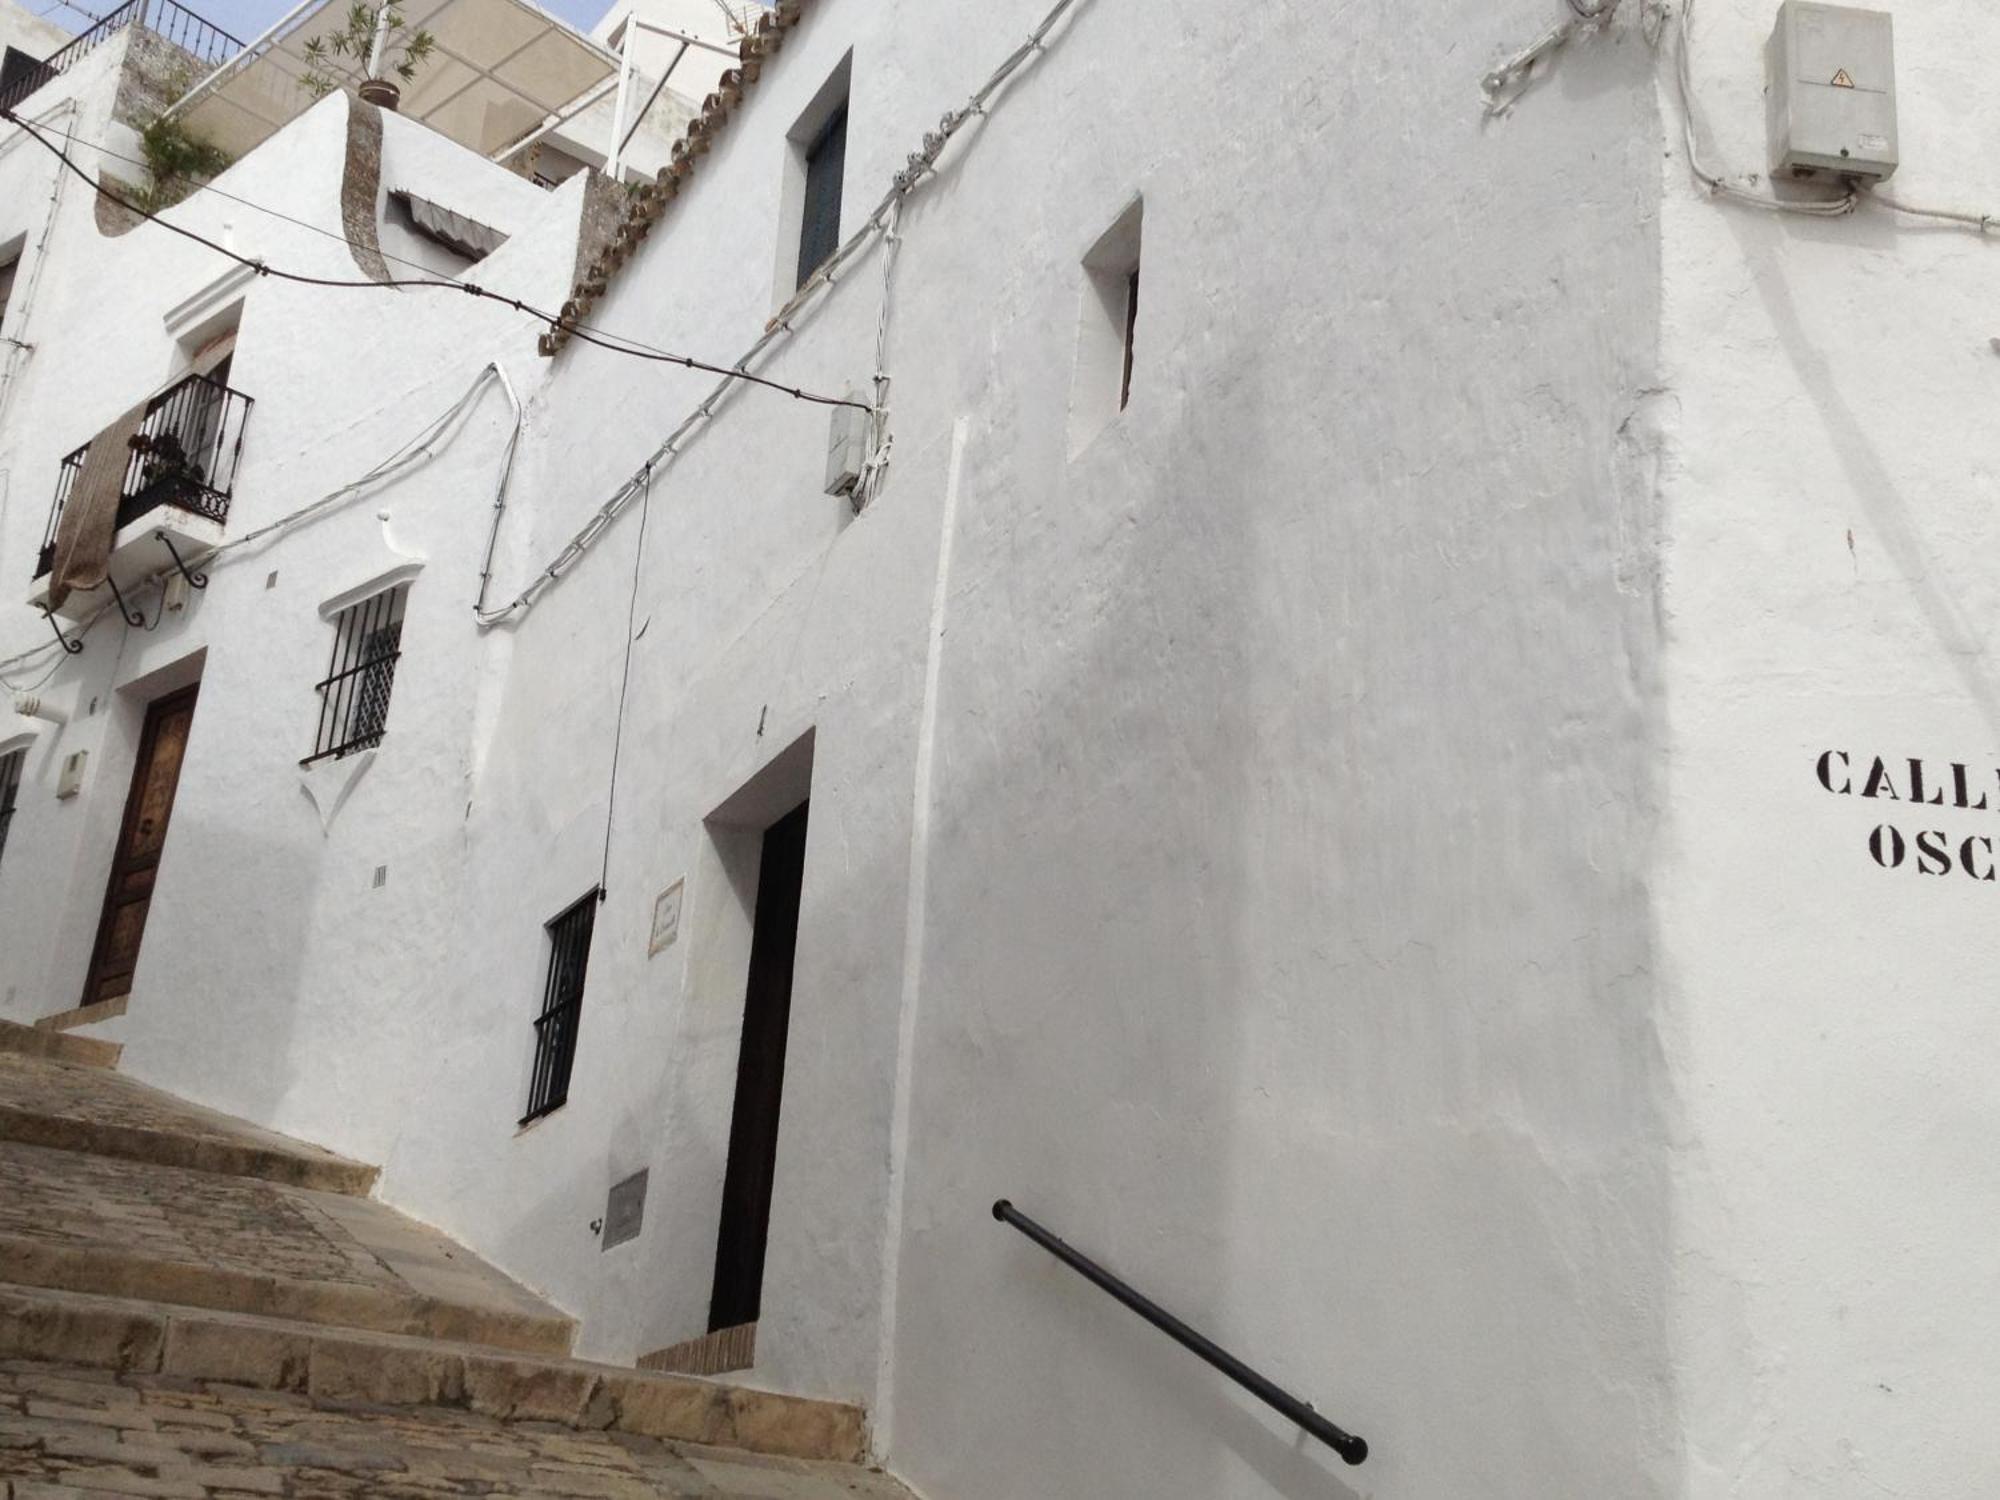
846, 450
70, 782
1830, 90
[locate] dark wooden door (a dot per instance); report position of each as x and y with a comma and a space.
162, 745
760, 1078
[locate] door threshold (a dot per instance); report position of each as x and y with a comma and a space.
84, 1015
717, 1353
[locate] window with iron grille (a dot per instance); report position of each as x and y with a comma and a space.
10, 787
562, 1006
354, 696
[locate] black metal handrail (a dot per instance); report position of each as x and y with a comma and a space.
1351, 1448
185, 454
200, 39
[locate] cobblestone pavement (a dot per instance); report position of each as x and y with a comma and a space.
166, 1213
66, 1434
100, 1097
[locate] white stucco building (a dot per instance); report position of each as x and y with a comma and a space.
1340, 723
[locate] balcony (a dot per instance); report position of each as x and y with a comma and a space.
178, 483
201, 45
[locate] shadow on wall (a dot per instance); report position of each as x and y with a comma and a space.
1078, 1051
1958, 637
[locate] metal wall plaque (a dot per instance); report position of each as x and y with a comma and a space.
625, 1211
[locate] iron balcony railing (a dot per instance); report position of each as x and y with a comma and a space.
205, 42
1352, 1449
184, 455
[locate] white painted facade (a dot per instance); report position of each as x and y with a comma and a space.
1339, 838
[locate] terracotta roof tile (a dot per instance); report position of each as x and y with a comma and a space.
651, 200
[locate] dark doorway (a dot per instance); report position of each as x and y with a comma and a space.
760, 1077
162, 746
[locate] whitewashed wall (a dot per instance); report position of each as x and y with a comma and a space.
1314, 847
1829, 539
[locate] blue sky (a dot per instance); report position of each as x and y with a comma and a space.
246, 19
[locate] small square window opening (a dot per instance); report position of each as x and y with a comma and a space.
1107, 329
10, 265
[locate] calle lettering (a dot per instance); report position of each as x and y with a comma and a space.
1928, 851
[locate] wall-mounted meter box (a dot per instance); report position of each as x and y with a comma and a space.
1830, 88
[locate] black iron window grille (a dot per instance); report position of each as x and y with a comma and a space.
562, 1007
10, 787
354, 696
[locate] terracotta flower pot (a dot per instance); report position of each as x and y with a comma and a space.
382, 92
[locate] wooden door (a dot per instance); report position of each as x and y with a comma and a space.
162, 745
760, 1078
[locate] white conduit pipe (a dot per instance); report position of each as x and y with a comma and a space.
920, 164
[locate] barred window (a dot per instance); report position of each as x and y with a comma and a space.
354, 697
562, 1006
10, 787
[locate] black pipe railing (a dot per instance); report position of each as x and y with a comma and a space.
202, 40
1351, 1448
185, 454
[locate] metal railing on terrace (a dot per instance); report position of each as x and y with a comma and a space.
202, 40
184, 455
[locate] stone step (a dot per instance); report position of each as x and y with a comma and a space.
339, 1366
83, 1015
56, 1046
72, 1221
66, 1108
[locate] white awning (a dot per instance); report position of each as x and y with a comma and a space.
500, 68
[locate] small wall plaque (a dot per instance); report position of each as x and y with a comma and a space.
625, 1211
666, 918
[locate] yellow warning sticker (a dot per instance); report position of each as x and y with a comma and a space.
1842, 81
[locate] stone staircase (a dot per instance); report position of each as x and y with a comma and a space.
170, 1277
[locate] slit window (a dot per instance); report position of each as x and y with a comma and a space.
1108, 330
354, 694
10, 790
826, 169
815, 167
562, 1008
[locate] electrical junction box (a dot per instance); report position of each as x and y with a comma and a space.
70, 781
846, 450
1830, 89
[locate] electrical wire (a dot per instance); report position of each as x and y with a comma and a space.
616, 343
1715, 182
1505, 82
918, 167
624, 683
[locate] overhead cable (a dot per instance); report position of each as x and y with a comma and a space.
613, 342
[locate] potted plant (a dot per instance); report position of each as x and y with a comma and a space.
365, 50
